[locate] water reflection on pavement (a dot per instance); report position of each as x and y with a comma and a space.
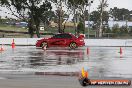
101, 61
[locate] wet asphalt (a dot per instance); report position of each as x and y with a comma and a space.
17, 66
33, 81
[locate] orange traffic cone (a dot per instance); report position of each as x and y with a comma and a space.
13, 44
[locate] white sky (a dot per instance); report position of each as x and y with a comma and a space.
112, 3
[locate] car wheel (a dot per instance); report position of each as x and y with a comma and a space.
44, 44
73, 45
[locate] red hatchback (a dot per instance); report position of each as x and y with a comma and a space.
62, 40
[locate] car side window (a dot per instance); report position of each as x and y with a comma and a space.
62, 36
66, 36
57, 36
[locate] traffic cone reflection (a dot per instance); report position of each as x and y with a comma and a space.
121, 50
1, 48
81, 54
88, 51
13, 44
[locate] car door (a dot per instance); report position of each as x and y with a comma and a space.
57, 40
67, 38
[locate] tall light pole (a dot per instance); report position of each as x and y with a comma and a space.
103, 2
123, 17
89, 6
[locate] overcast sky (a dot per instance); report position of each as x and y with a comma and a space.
112, 3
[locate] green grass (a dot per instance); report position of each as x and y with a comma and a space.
70, 30
49, 30
44, 32
12, 28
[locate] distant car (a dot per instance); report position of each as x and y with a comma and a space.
62, 40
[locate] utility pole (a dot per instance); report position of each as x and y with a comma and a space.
89, 4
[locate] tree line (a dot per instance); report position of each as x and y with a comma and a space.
36, 12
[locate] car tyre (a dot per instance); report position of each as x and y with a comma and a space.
73, 45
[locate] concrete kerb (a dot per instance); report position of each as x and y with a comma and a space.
19, 41
88, 42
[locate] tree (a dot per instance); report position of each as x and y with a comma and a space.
95, 17
80, 28
72, 4
61, 15
3, 2
120, 14
47, 18
124, 30
114, 13
60, 20
101, 9
34, 9
116, 29
79, 8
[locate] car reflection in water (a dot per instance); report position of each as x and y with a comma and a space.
53, 58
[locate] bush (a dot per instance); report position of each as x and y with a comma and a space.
80, 28
124, 30
107, 30
116, 29
130, 30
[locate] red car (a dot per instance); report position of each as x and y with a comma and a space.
62, 40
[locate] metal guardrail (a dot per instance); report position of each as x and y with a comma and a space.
11, 35
4, 31
2, 35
